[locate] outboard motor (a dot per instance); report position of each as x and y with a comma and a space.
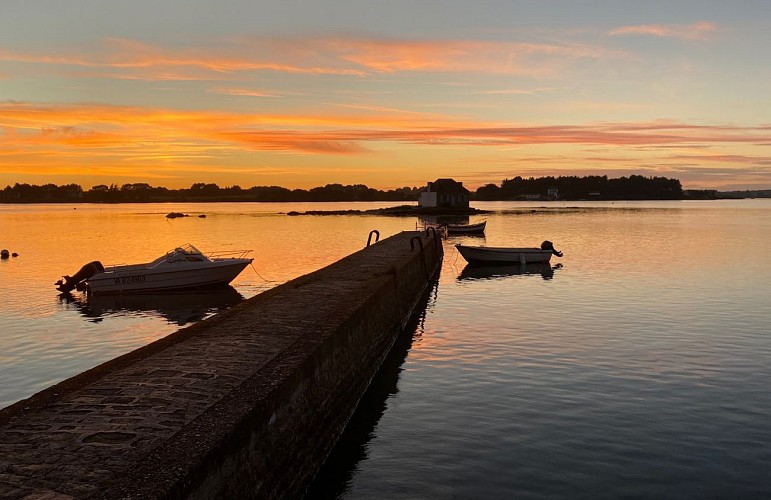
548, 245
69, 283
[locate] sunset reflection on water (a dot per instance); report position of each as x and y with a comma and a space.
637, 361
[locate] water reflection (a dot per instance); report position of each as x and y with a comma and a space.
475, 272
334, 478
475, 236
175, 307
438, 220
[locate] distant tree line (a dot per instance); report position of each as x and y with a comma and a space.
144, 193
701, 194
597, 187
635, 187
750, 193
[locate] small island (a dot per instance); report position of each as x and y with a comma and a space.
446, 197
399, 211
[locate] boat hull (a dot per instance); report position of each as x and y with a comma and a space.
466, 228
500, 255
137, 279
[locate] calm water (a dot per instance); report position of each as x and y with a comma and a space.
640, 367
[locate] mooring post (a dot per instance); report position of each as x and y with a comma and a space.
377, 236
436, 237
422, 253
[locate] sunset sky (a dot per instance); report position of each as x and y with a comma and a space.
388, 94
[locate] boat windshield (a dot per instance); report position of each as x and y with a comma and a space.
185, 252
188, 249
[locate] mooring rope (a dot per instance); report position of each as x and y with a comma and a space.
258, 274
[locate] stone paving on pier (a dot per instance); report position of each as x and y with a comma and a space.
75, 439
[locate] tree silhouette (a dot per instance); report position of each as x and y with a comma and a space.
634, 187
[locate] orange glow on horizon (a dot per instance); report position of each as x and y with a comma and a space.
136, 142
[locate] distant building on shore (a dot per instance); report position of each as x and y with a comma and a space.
444, 193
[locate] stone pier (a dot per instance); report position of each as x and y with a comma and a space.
245, 404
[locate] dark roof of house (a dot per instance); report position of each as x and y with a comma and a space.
448, 186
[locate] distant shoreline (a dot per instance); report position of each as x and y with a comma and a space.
541, 189
400, 211
289, 202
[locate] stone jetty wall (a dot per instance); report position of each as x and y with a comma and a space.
245, 404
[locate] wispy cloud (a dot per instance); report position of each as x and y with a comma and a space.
134, 59
616, 134
512, 91
457, 55
338, 132
730, 159
719, 177
242, 92
696, 31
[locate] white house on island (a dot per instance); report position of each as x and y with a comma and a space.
444, 193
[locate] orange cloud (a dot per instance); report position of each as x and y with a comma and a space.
696, 31
102, 126
132, 59
478, 56
613, 134
155, 143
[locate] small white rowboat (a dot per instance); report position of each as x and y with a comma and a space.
466, 228
507, 255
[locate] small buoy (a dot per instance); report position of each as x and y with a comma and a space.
4, 254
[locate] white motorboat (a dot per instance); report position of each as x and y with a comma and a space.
506, 255
466, 228
184, 267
